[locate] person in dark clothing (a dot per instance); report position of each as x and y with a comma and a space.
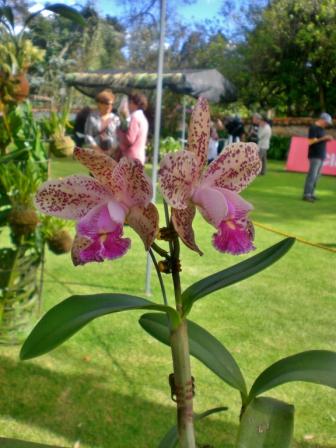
235, 128
79, 126
252, 133
316, 154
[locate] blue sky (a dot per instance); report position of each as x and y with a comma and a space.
200, 10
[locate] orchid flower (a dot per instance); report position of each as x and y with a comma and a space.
118, 193
187, 185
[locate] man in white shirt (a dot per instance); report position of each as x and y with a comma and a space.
264, 140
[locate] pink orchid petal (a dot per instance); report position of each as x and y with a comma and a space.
70, 198
99, 164
199, 131
100, 221
178, 174
108, 248
104, 234
182, 221
238, 207
234, 168
117, 211
233, 238
131, 185
145, 221
212, 204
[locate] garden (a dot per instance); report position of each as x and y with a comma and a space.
233, 346
109, 385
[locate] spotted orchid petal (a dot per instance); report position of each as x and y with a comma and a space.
79, 244
234, 168
71, 197
178, 174
99, 164
104, 233
199, 131
145, 221
131, 185
182, 221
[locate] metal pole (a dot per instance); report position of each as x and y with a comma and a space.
157, 123
183, 121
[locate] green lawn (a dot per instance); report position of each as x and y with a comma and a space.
107, 386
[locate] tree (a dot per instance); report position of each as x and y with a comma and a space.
288, 59
69, 47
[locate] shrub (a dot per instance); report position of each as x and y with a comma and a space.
279, 147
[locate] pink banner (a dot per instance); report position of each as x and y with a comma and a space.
298, 156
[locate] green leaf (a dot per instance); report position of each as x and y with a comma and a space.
14, 443
67, 12
266, 423
4, 216
170, 440
8, 13
203, 346
315, 366
235, 273
15, 155
69, 316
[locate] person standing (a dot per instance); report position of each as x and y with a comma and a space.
317, 153
133, 138
235, 129
101, 125
264, 141
252, 133
213, 142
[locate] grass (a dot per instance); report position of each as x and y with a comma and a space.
108, 385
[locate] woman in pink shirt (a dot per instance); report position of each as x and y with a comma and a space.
132, 140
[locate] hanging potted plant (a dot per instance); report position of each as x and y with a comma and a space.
23, 166
60, 144
56, 234
17, 52
20, 262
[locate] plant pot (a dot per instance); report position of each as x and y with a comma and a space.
19, 293
22, 220
60, 242
61, 146
21, 87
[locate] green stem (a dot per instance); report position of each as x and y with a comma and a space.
160, 251
179, 343
163, 289
183, 385
8, 130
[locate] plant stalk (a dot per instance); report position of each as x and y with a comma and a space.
179, 342
183, 386
181, 362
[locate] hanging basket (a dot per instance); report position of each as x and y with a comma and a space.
19, 293
21, 87
61, 145
60, 242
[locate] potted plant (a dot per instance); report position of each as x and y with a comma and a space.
60, 144
23, 166
21, 260
17, 52
56, 234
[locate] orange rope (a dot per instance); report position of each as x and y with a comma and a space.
301, 240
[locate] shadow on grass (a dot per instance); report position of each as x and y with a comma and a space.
81, 407
312, 445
